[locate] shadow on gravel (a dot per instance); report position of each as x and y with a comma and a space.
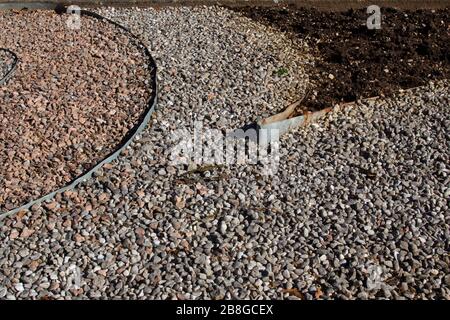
411, 48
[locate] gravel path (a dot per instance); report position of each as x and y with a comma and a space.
216, 66
358, 209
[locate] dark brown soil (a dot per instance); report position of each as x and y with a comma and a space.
411, 48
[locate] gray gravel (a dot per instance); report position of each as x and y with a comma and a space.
358, 209
216, 66
6, 63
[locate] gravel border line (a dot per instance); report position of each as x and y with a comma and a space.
283, 124
13, 68
142, 123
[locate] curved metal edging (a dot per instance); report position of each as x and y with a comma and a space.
13, 68
141, 124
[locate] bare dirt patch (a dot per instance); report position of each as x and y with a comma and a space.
411, 48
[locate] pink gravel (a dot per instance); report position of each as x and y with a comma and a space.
73, 98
